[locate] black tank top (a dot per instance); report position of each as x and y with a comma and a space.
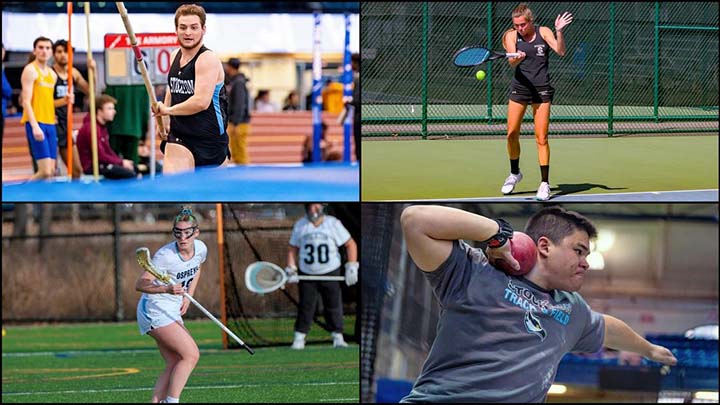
210, 122
61, 90
533, 71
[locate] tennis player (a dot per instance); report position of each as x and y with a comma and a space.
161, 307
38, 86
196, 101
316, 238
501, 338
531, 85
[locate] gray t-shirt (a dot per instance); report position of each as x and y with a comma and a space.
499, 338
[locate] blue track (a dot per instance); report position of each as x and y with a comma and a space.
312, 182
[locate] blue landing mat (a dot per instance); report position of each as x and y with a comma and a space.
312, 182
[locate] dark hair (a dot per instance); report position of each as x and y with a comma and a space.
234, 63
63, 43
556, 223
35, 42
261, 93
40, 39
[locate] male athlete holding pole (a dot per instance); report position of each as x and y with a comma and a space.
195, 101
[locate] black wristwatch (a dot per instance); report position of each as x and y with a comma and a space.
504, 233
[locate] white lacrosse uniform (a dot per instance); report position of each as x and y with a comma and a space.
158, 310
318, 246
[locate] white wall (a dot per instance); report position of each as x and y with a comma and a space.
226, 33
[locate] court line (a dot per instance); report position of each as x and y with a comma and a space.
186, 388
706, 195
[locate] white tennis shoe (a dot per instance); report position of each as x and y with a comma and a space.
338, 340
298, 341
510, 183
543, 193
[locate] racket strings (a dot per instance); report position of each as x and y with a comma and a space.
471, 56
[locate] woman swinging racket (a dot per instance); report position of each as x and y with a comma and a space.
531, 85
160, 309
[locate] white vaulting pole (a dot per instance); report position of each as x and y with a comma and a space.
316, 89
347, 90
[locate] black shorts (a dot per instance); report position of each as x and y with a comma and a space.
206, 152
531, 95
61, 131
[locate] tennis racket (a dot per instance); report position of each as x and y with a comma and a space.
477, 55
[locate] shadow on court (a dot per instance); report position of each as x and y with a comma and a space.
565, 189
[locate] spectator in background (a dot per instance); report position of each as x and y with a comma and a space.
131, 122
263, 103
329, 150
6, 95
145, 145
292, 102
355, 60
110, 164
60, 55
332, 97
238, 112
144, 151
160, 92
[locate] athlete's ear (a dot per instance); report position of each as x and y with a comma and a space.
543, 246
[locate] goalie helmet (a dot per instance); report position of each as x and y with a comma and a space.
314, 216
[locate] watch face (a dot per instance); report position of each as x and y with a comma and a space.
497, 241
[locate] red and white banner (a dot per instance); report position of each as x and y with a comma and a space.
164, 40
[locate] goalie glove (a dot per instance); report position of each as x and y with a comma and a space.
351, 273
292, 274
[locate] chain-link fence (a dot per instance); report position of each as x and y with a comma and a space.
629, 68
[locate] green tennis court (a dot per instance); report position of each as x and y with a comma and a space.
467, 168
81, 363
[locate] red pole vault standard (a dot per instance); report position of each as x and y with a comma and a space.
69, 91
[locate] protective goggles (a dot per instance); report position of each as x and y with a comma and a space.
183, 233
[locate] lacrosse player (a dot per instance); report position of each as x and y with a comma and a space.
316, 238
161, 307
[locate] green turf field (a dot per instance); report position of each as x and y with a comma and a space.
112, 363
427, 169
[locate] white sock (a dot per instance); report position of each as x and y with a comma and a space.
299, 336
171, 400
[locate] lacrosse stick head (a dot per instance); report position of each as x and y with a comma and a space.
143, 258
264, 277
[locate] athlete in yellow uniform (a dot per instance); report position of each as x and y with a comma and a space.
38, 88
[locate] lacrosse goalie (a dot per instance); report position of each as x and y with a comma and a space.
314, 251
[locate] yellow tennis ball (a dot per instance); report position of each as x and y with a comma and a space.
480, 75
4, 332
